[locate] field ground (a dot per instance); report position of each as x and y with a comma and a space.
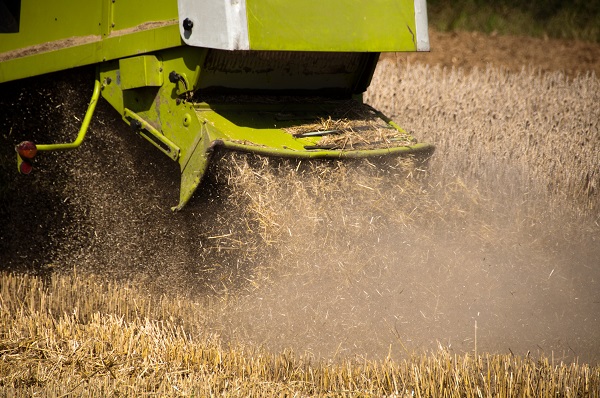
280, 276
475, 49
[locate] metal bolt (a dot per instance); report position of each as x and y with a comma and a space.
188, 24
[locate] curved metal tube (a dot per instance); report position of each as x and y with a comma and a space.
83, 129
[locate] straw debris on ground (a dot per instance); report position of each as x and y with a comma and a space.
298, 278
74, 335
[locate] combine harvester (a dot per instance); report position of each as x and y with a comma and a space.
271, 77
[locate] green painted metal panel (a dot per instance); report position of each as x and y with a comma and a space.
64, 34
142, 71
332, 25
97, 50
131, 13
47, 21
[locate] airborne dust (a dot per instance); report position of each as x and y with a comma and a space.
491, 245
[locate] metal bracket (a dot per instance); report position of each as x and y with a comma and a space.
154, 137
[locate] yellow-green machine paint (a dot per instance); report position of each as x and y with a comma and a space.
57, 35
195, 75
334, 25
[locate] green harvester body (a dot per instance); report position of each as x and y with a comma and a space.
272, 77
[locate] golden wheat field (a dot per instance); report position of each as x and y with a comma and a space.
474, 273
74, 336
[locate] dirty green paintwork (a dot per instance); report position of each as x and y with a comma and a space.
332, 25
64, 34
154, 136
137, 45
50, 21
188, 131
96, 51
160, 115
68, 33
257, 129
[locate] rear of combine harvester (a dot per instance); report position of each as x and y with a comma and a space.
273, 77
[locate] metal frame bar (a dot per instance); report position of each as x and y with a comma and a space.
82, 130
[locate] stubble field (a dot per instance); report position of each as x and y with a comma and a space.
477, 271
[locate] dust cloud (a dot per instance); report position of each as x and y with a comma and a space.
400, 266
492, 245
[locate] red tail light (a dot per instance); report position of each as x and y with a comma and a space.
25, 166
27, 150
